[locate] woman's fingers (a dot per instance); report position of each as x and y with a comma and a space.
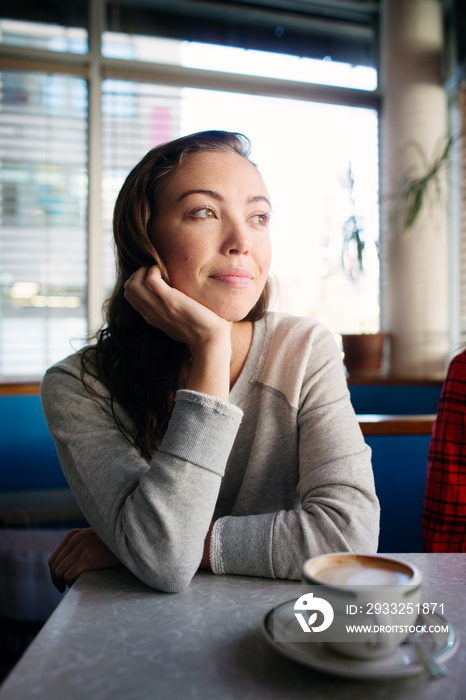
176, 314
144, 298
55, 560
137, 277
81, 550
154, 280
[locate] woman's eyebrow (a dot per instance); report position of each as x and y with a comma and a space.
210, 193
220, 198
260, 198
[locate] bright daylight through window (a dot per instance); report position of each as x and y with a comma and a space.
318, 160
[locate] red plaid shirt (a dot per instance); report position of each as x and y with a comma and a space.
444, 516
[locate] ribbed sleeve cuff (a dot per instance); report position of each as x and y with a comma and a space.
202, 430
243, 545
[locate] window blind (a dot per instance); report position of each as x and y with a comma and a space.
135, 118
43, 194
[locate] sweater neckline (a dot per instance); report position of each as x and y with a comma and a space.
254, 361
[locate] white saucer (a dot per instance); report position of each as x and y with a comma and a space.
403, 662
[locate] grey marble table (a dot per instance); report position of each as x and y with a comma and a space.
113, 637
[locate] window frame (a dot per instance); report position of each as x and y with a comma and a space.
95, 68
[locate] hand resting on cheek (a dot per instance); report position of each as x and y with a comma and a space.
187, 321
179, 316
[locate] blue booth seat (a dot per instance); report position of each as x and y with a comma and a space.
399, 461
31, 474
28, 455
395, 399
400, 469
33, 489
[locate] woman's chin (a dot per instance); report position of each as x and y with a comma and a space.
228, 309
232, 315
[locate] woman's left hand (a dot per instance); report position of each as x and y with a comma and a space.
81, 550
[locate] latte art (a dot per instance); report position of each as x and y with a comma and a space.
360, 571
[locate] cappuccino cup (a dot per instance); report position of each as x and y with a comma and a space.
375, 601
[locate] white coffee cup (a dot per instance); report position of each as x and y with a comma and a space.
379, 593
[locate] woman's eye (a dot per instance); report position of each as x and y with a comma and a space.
262, 219
203, 213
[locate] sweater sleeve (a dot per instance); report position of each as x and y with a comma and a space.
338, 508
153, 516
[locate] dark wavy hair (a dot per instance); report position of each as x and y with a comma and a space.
141, 366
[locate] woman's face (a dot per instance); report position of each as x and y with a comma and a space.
212, 232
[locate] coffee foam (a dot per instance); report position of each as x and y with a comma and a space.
359, 571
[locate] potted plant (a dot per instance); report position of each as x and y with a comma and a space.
419, 188
363, 350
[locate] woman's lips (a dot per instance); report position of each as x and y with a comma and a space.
234, 277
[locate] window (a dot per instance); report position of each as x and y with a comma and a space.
39, 35
304, 147
43, 184
304, 156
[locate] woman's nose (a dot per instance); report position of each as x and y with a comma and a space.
237, 238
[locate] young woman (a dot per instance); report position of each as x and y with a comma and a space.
201, 430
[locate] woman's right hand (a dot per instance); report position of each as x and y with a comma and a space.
185, 320
181, 318
81, 550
